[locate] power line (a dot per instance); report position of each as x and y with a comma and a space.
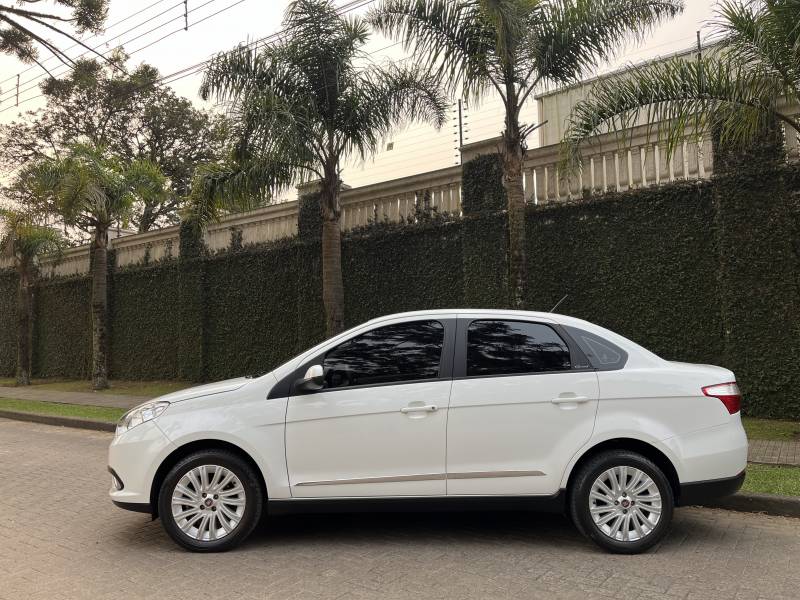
198, 67
122, 43
51, 57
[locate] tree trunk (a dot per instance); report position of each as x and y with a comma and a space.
332, 287
100, 309
24, 321
512, 182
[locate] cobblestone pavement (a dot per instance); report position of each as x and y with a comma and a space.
774, 452
63, 539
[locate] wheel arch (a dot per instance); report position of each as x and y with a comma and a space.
634, 445
194, 446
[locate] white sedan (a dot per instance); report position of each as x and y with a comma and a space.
453, 409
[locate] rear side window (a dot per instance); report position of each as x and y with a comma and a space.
602, 354
391, 354
509, 347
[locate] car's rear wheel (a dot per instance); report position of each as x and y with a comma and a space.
622, 501
210, 501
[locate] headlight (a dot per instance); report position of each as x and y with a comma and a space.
140, 414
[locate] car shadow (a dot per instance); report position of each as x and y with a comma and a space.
455, 527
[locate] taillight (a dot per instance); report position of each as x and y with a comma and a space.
728, 393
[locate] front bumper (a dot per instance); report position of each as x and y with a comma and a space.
133, 458
700, 492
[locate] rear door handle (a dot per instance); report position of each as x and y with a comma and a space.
569, 399
413, 409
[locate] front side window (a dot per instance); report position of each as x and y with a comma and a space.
509, 347
391, 354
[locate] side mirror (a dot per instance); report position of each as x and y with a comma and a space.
313, 380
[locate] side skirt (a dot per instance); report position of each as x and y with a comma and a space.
550, 504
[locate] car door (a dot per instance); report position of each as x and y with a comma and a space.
377, 427
523, 402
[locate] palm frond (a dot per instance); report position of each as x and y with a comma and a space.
26, 240
384, 97
570, 38
763, 35
219, 189
450, 39
733, 100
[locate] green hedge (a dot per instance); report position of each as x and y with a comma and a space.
758, 203
147, 297
8, 323
62, 343
389, 269
641, 263
250, 308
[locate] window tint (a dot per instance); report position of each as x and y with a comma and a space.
601, 353
505, 347
402, 352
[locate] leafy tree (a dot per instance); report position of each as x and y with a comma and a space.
26, 241
129, 115
300, 106
92, 192
19, 21
516, 47
740, 92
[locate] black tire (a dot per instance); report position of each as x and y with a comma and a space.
252, 509
579, 499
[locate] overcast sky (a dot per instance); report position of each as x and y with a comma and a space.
417, 148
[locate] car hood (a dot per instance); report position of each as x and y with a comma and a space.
208, 389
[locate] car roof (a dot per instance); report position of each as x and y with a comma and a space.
487, 312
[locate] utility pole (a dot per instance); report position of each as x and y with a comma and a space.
17, 89
700, 59
186, 15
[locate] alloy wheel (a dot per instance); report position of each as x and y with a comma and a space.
625, 503
208, 502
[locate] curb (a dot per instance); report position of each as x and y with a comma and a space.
59, 421
768, 504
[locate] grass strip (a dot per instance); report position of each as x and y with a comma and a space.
79, 411
772, 479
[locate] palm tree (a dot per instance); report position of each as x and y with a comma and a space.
515, 48
26, 241
739, 92
88, 191
300, 107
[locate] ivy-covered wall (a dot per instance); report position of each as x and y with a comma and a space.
643, 264
8, 323
400, 268
700, 272
250, 311
62, 343
145, 323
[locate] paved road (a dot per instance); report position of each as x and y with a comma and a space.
62, 539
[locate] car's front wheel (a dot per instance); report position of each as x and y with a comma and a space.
210, 501
622, 501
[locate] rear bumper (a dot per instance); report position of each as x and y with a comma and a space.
700, 492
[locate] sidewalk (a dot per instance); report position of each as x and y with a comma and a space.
84, 398
775, 452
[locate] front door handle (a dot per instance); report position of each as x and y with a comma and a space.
413, 409
565, 399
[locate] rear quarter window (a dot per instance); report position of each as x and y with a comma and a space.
602, 354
